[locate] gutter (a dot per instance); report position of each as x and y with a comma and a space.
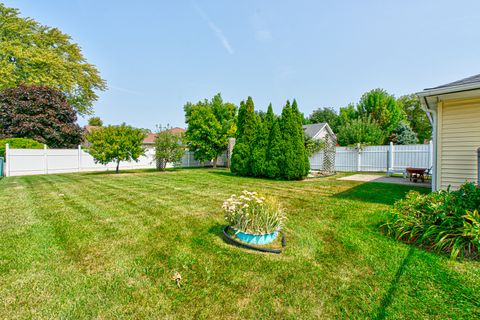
447, 90
432, 116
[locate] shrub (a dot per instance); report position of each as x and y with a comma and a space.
253, 213
443, 221
19, 143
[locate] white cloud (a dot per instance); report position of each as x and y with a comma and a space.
216, 30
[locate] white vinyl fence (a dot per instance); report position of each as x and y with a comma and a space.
389, 158
50, 161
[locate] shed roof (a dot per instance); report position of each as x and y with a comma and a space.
313, 129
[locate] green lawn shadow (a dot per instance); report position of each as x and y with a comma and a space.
376, 192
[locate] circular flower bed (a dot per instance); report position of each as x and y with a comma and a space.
254, 218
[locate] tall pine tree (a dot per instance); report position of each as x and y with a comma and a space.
241, 162
275, 149
300, 143
294, 167
259, 149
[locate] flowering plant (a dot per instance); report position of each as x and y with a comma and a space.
253, 213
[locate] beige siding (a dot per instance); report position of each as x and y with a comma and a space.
459, 139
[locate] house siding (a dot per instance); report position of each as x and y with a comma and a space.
459, 140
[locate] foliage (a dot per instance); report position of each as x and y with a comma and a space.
346, 114
259, 150
443, 221
313, 146
275, 152
39, 113
168, 147
248, 123
363, 131
416, 116
116, 143
95, 121
19, 143
403, 134
210, 124
253, 213
328, 115
295, 158
34, 54
382, 108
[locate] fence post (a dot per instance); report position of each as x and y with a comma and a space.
391, 155
7, 159
79, 158
359, 158
430, 150
45, 160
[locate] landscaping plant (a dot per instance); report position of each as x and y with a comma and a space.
443, 221
168, 147
19, 143
253, 213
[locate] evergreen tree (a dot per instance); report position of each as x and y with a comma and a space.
275, 156
269, 119
259, 150
241, 163
300, 140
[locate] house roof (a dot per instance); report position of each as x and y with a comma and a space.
464, 88
150, 138
313, 129
89, 128
464, 81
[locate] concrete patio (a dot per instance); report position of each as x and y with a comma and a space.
384, 179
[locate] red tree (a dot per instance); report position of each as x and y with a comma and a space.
39, 113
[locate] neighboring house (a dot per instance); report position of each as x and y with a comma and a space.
454, 110
319, 131
149, 141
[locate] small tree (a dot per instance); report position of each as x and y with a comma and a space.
116, 143
39, 113
417, 118
95, 121
362, 130
168, 147
403, 134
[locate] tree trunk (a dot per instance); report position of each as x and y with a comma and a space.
215, 162
118, 165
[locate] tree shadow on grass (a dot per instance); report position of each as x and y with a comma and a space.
375, 192
388, 297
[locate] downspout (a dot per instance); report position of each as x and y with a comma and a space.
432, 116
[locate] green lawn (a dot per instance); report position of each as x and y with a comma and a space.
106, 245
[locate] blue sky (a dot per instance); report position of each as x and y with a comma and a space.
157, 55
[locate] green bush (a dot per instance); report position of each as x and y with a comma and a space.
442, 221
19, 143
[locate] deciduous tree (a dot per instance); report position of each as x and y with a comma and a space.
328, 115
362, 130
115, 144
39, 113
210, 124
95, 121
34, 54
168, 147
416, 117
